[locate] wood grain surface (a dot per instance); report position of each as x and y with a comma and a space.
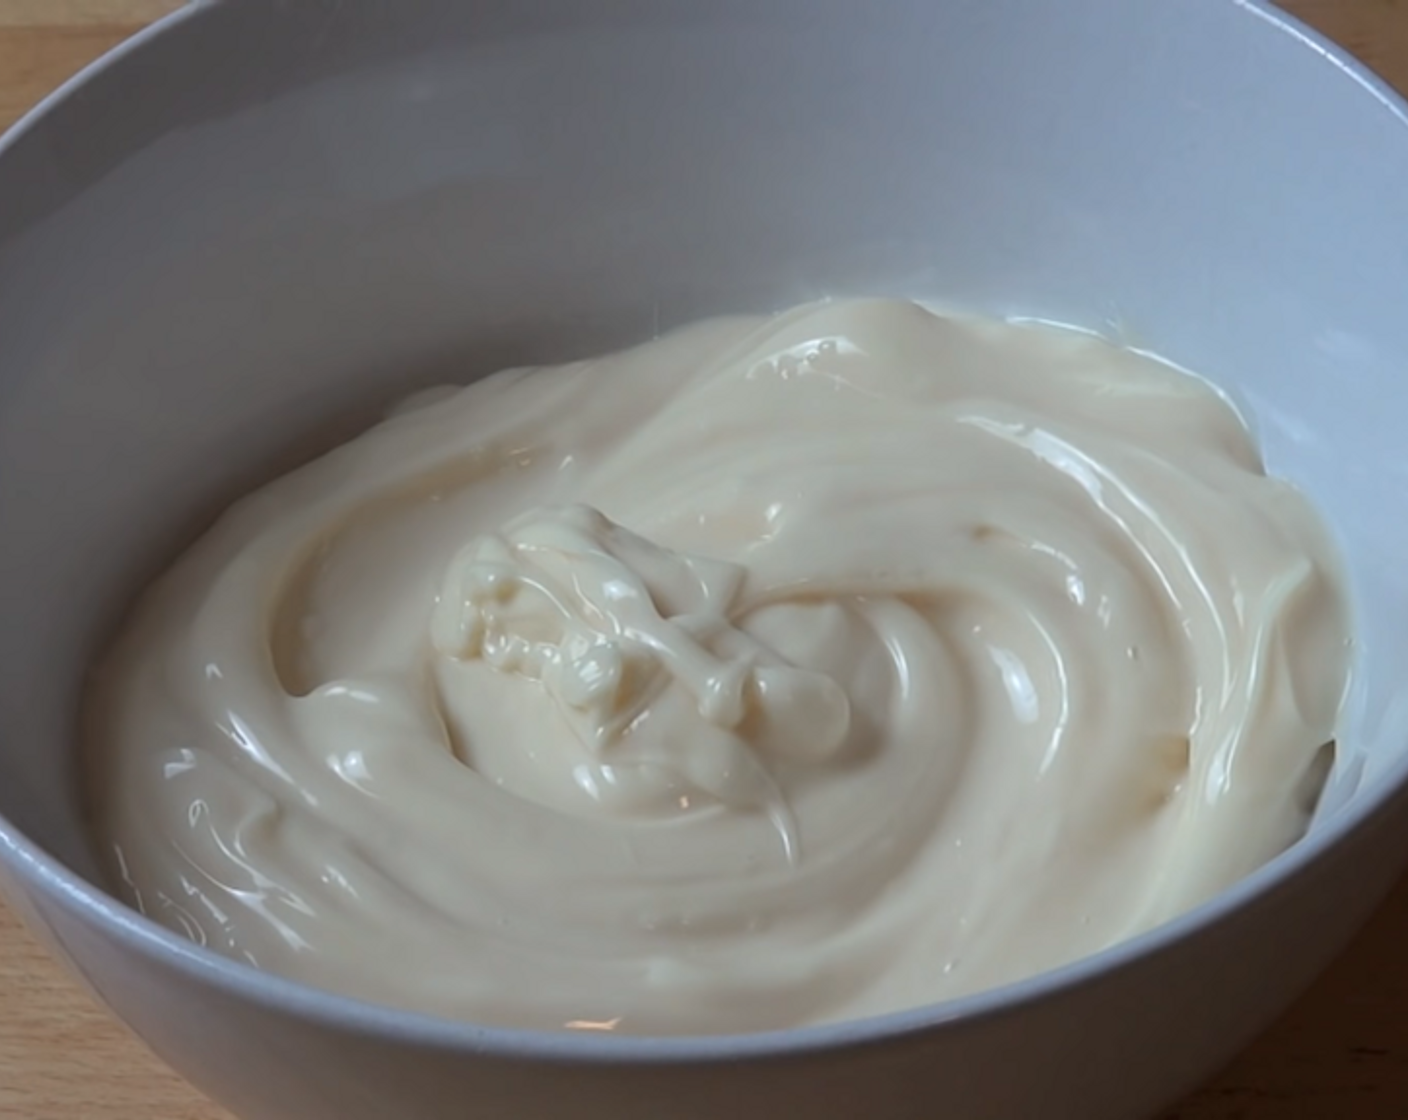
1340, 1054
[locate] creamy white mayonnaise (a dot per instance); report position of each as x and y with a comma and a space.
777, 671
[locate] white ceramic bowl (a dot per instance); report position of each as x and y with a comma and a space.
243, 228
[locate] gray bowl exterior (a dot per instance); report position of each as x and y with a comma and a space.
264, 218
1116, 1047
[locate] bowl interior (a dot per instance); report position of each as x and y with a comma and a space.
222, 250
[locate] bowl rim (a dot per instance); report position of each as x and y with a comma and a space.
44, 875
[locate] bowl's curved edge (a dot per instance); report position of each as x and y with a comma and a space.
1332, 53
27, 121
41, 873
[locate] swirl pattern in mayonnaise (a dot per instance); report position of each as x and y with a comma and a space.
777, 671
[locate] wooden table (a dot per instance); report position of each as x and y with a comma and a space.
1340, 1054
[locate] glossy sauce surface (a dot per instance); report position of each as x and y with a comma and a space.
776, 671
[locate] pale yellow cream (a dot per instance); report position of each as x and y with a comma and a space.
777, 671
